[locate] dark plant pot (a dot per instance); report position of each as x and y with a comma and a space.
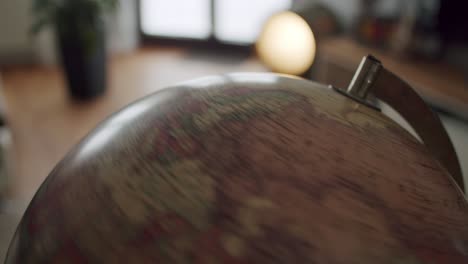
83, 59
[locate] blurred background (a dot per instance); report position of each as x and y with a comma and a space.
67, 64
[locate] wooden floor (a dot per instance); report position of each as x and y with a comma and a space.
45, 123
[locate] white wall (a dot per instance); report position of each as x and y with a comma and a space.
17, 45
15, 41
123, 28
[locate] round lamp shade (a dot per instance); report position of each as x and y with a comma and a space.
287, 44
246, 168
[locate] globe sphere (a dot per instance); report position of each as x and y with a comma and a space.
246, 168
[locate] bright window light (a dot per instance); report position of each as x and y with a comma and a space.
176, 18
240, 21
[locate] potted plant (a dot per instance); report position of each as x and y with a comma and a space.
80, 36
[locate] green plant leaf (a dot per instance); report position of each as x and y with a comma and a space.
66, 12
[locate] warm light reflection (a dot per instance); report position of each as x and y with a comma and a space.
127, 115
95, 143
255, 78
287, 44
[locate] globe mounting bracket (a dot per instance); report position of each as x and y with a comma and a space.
372, 81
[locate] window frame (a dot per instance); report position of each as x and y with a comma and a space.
210, 42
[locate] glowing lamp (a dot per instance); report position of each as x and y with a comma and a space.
287, 44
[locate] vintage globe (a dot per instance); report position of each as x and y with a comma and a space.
246, 168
